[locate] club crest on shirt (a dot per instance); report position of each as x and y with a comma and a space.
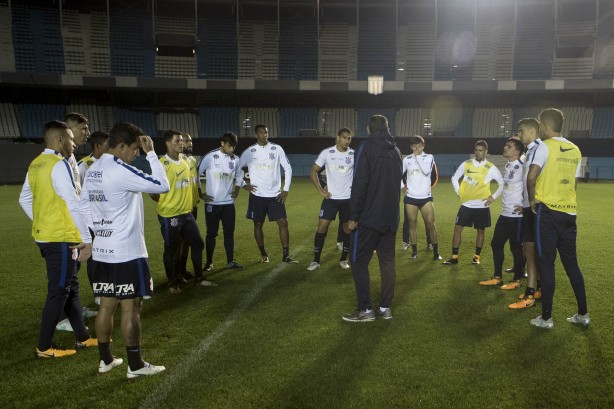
331, 151
231, 165
253, 150
348, 160
166, 163
216, 156
272, 156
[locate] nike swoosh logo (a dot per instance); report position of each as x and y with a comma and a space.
472, 172
565, 150
179, 173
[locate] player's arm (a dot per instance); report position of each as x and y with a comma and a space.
137, 181
404, 179
314, 175
494, 174
64, 186
460, 172
285, 164
434, 175
534, 171
240, 181
25, 198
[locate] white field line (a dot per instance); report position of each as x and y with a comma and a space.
182, 369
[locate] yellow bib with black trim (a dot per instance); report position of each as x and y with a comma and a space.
178, 200
472, 186
556, 183
52, 221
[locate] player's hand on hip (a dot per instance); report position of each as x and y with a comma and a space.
282, 197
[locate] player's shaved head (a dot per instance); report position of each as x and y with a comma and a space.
52, 130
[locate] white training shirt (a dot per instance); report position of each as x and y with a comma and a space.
418, 170
72, 161
493, 174
525, 169
339, 171
263, 164
83, 166
513, 186
112, 205
64, 186
221, 171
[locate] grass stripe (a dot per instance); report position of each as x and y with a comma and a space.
181, 371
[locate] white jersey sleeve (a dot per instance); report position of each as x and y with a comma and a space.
64, 186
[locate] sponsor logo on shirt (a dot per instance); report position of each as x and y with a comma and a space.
103, 222
97, 196
565, 150
104, 233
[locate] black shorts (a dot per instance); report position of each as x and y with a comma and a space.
417, 202
528, 218
260, 207
330, 208
123, 281
477, 218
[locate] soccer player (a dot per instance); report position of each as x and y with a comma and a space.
418, 198
99, 141
49, 199
509, 224
551, 183
263, 161
528, 131
175, 212
79, 125
184, 248
112, 204
474, 192
339, 162
220, 167
374, 217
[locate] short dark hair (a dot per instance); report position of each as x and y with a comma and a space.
416, 140
517, 144
124, 132
344, 130
168, 135
553, 117
76, 117
378, 123
230, 138
530, 123
481, 142
55, 124
258, 127
98, 138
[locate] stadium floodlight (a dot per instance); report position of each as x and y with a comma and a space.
376, 84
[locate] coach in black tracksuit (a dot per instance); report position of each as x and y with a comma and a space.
374, 216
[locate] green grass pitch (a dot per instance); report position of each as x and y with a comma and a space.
271, 335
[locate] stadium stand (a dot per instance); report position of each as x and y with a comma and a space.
250, 117
376, 44
416, 39
409, 121
495, 32
9, 126
258, 55
146, 120
175, 66
181, 121
86, 43
492, 122
7, 53
330, 120
132, 48
298, 44
363, 120
535, 40
215, 121
100, 117
293, 120
603, 122
37, 39
456, 42
216, 51
338, 52
32, 117
604, 46
578, 122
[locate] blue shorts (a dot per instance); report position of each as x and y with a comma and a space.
330, 208
124, 281
260, 207
470, 217
417, 202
